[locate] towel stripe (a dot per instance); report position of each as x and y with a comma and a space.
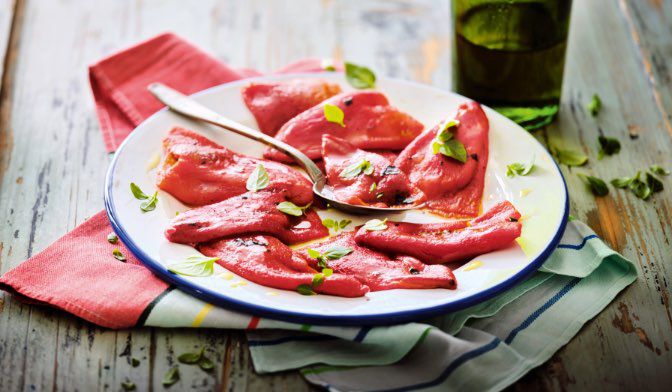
254, 322
308, 338
580, 246
198, 320
451, 368
362, 334
535, 315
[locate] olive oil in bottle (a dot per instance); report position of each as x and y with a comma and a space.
510, 55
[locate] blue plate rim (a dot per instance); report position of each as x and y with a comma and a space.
219, 299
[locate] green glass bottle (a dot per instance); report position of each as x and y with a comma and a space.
510, 55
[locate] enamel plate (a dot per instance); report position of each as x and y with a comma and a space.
541, 198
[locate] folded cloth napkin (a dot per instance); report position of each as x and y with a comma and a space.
487, 346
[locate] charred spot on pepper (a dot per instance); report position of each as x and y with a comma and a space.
391, 170
512, 219
474, 157
413, 271
242, 242
347, 101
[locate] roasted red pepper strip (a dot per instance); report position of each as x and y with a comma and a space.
252, 212
268, 262
370, 123
275, 103
198, 171
452, 188
385, 186
379, 271
447, 242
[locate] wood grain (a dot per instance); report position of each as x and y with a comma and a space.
52, 159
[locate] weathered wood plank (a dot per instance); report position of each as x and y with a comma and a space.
651, 29
630, 339
45, 194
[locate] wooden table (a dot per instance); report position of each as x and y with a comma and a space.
52, 164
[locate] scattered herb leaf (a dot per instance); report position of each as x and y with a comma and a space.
595, 105
327, 272
150, 205
640, 188
375, 225
445, 144
135, 362
621, 182
128, 386
258, 180
137, 192
355, 169
608, 146
656, 169
112, 238
596, 185
521, 169
318, 279
654, 183
305, 289
334, 114
206, 364
118, 255
290, 208
171, 377
373, 187
328, 65
336, 225
570, 157
359, 76
191, 358
333, 253
196, 265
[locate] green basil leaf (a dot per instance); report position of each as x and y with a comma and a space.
150, 204
654, 183
454, 149
608, 146
139, 194
327, 272
595, 105
305, 289
656, 169
258, 180
373, 187
118, 255
191, 358
329, 223
334, 114
355, 169
570, 157
328, 65
196, 266
596, 185
171, 377
519, 168
446, 131
622, 182
206, 364
112, 238
344, 223
314, 253
318, 279
128, 386
336, 252
135, 362
359, 76
375, 225
290, 208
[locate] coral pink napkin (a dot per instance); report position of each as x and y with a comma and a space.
78, 273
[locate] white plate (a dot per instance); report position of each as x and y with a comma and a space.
541, 197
